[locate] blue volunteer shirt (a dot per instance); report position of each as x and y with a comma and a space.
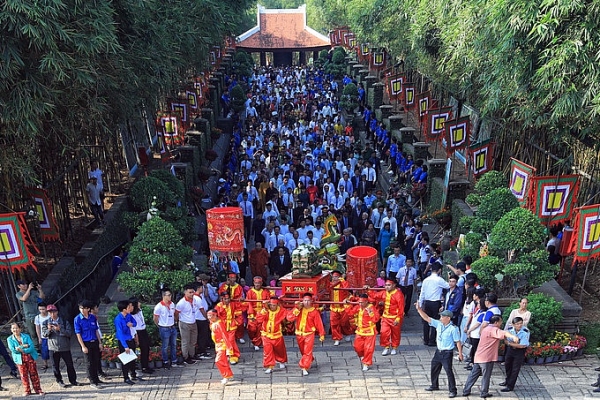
86, 327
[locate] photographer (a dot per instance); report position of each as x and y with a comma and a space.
30, 295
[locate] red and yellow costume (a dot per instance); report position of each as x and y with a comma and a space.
340, 325
223, 347
254, 309
231, 316
366, 332
393, 312
236, 292
272, 336
308, 322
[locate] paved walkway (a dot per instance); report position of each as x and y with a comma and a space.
335, 375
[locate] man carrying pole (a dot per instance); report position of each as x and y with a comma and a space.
308, 323
270, 320
392, 300
366, 317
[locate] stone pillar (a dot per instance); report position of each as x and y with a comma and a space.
355, 71
220, 75
350, 67
386, 110
215, 99
369, 81
437, 168
457, 190
363, 74
407, 134
377, 95
421, 150
396, 122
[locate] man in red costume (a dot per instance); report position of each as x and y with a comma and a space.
236, 292
223, 345
366, 317
228, 314
392, 300
308, 322
254, 308
270, 320
339, 321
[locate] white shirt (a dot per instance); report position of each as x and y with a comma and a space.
98, 174
273, 241
292, 245
432, 288
187, 310
204, 305
393, 224
165, 314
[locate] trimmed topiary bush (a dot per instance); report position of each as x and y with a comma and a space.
158, 246
149, 189
496, 203
518, 231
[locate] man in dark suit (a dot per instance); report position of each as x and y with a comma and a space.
362, 186
347, 241
362, 225
281, 262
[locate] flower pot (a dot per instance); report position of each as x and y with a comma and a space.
563, 357
118, 365
555, 358
539, 360
152, 364
530, 361
179, 359
104, 363
579, 352
112, 365
500, 358
548, 359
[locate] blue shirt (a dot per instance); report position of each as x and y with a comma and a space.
86, 327
493, 310
122, 331
394, 263
523, 335
447, 336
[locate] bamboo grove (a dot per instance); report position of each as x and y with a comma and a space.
71, 71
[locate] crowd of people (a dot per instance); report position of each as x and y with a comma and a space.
294, 161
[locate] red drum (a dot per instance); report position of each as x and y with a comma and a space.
361, 266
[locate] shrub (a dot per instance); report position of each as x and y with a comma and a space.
149, 189
349, 97
496, 203
158, 246
487, 269
489, 181
591, 331
174, 184
518, 231
545, 313
472, 245
146, 285
238, 98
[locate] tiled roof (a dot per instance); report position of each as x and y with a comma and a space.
282, 30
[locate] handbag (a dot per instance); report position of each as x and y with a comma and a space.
466, 348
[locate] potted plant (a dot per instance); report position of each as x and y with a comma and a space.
579, 342
529, 357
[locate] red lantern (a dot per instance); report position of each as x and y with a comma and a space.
226, 232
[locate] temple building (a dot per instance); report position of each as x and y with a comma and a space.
284, 34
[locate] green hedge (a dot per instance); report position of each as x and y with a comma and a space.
459, 210
435, 191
